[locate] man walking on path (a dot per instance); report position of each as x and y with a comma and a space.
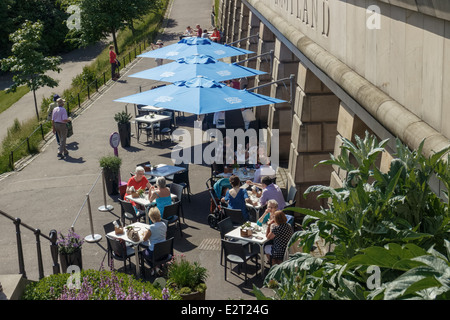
59, 120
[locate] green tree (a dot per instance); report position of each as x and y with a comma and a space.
27, 62
100, 18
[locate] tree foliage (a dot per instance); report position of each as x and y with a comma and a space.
392, 221
101, 18
27, 62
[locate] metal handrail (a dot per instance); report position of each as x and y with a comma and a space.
53, 246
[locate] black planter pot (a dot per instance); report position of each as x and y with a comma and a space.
68, 260
111, 182
125, 134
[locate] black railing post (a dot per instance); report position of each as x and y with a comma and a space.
96, 85
11, 160
104, 77
37, 233
79, 101
19, 248
89, 95
28, 145
54, 251
42, 132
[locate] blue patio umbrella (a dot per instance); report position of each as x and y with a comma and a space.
199, 95
194, 45
195, 65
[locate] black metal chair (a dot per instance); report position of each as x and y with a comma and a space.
120, 251
292, 194
177, 189
225, 226
171, 214
164, 128
235, 215
162, 253
129, 212
238, 254
182, 178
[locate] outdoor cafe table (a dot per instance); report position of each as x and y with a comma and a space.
144, 202
154, 109
249, 175
164, 170
257, 237
150, 120
142, 229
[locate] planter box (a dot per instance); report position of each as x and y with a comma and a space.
125, 134
194, 296
67, 260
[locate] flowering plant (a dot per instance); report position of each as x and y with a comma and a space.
70, 243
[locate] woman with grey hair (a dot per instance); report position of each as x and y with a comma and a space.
272, 206
136, 182
160, 194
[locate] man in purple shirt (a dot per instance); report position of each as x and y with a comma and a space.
270, 192
59, 120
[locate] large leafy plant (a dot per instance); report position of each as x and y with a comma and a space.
372, 211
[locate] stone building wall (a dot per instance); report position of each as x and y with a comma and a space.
350, 76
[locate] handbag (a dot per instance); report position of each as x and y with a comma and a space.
118, 62
133, 234
69, 129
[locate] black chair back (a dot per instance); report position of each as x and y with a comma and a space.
118, 248
225, 226
181, 177
177, 190
162, 252
291, 194
235, 215
171, 210
128, 211
109, 227
233, 248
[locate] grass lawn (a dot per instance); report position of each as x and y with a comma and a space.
8, 99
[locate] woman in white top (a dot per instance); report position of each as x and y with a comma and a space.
156, 233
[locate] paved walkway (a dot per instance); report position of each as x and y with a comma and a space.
50, 193
72, 65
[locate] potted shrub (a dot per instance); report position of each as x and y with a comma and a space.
69, 249
111, 168
188, 278
124, 127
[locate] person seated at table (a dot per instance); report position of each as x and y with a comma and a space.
264, 170
252, 151
155, 234
136, 182
272, 207
188, 32
160, 194
280, 232
237, 197
215, 35
270, 191
205, 34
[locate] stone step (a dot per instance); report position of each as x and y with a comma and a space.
13, 286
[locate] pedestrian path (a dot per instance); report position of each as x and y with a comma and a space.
50, 193
72, 65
